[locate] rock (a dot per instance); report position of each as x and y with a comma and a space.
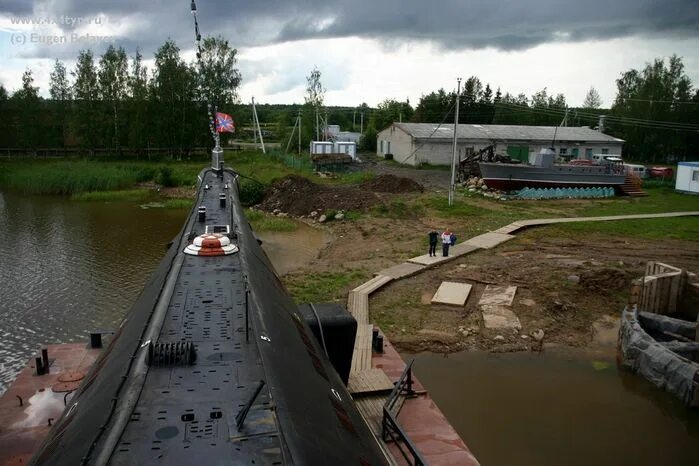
314, 214
474, 329
574, 278
524, 337
472, 189
322, 218
499, 338
276, 211
538, 335
527, 302
339, 216
484, 188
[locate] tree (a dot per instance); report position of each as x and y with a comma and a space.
86, 94
315, 94
113, 80
27, 99
218, 77
3, 93
653, 111
172, 92
391, 110
592, 99
59, 89
138, 106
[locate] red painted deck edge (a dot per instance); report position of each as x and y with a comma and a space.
23, 429
422, 420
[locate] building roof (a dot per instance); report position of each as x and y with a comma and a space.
506, 132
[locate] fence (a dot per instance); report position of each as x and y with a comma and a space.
663, 287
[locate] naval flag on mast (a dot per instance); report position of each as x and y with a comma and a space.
224, 123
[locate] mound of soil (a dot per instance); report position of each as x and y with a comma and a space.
392, 184
606, 281
298, 196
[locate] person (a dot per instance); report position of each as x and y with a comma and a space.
433, 235
446, 242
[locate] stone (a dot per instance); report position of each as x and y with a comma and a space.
499, 317
498, 337
574, 278
538, 335
498, 295
276, 211
452, 293
322, 218
339, 216
314, 214
524, 337
471, 190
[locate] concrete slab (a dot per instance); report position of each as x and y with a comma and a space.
452, 293
406, 269
489, 240
499, 317
495, 295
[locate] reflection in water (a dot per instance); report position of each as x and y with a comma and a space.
558, 408
70, 267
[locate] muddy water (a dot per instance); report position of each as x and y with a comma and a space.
69, 267
557, 408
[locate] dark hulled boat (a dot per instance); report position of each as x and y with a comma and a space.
213, 364
545, 174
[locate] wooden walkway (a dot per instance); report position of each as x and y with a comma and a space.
363, 378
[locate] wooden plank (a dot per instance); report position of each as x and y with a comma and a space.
371, 409
369, 381
361, 356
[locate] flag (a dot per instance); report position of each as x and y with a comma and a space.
224, 123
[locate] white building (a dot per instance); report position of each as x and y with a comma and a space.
417, 143
687, 177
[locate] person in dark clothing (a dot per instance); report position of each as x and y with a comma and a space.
434, 237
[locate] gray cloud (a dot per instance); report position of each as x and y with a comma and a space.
453, 24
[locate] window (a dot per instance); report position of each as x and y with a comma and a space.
588, 153
563, 151
382, 151
695, 175
388, 149
605, 151
576, 152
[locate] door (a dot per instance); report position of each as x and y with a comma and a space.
520, 153
694, 181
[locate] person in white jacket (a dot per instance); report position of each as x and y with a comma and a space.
446, 242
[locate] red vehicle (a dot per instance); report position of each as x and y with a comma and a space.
660, 172
580, 162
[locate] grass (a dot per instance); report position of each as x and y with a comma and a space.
324, 286
178, 203
264, 222
68, 177
678, 228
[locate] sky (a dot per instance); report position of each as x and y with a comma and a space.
368, 51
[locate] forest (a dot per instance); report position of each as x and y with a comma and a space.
115, 105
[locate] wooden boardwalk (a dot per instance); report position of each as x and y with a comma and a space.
363, 378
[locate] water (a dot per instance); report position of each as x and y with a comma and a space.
558, 408
68, 267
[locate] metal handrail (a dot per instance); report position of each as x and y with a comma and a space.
391, 429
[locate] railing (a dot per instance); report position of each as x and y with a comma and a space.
391, 429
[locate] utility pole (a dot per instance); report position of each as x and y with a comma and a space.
257, 120
325, 136
299, 117
361, 127
317, 126
354, 120
452, 186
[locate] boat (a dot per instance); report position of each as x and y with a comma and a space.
544, 173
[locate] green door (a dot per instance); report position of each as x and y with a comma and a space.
576, 152
519, 153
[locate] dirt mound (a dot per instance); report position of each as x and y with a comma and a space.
606, 281
298, 196
392, 184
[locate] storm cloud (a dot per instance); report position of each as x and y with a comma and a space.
451, 24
